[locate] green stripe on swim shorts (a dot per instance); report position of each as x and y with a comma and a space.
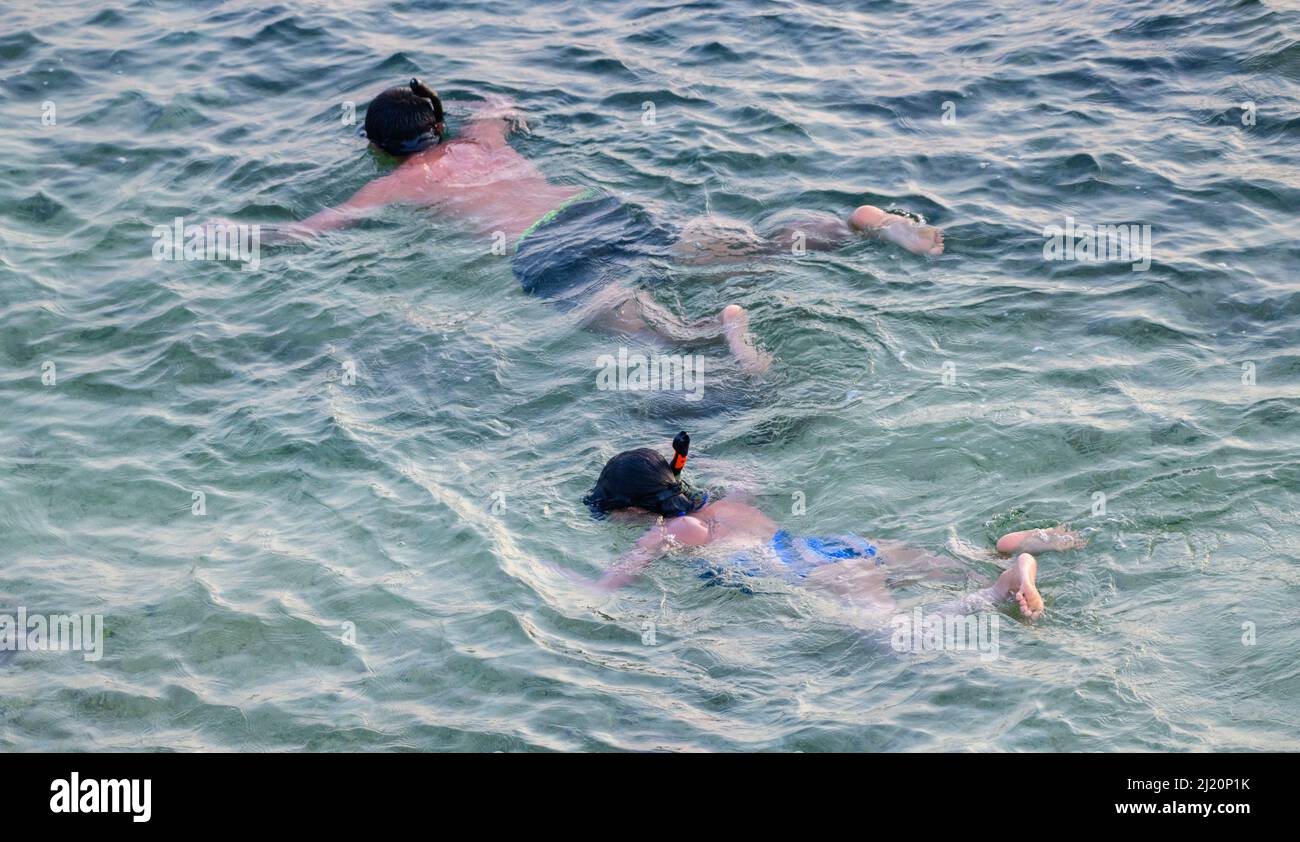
589, 193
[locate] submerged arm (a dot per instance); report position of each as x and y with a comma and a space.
629, 565
681, 531
382, 191
492, 120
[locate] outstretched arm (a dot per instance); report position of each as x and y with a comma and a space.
382, 191
492, 120
629, 565
682, 531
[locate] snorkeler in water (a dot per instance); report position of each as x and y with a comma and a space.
643, 482
570, 245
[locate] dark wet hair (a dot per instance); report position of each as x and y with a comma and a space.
644, 479
401, 121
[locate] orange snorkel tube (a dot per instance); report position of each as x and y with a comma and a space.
681, 444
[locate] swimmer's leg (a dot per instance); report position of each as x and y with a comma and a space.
899, 554
618, 310
636, 314
1057, 539
858, 581
735, 327
871, 221
714, 239
718, 240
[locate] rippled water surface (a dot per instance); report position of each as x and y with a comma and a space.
429, 505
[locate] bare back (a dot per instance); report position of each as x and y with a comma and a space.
491, 185
726, 521
477, 177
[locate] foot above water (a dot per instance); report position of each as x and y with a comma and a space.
1058, 539
1027, 595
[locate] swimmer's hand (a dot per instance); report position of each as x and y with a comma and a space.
629, 564
606, 584
502, 107
268, 234
291, 233
576, 578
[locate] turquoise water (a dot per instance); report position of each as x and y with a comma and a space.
424, 509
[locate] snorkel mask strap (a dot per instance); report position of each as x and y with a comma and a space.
674, 491
425, 92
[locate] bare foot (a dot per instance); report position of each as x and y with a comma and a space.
1019, 582
735, 327
918, 239
1027, 595
1057, 539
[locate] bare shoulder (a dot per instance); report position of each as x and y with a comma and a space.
730, 506
687, 530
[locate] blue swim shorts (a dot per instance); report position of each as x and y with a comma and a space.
592, 240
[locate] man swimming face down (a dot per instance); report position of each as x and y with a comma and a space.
477, 178
567, 233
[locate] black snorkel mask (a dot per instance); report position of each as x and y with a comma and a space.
679, 498
674, 501
431, 137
